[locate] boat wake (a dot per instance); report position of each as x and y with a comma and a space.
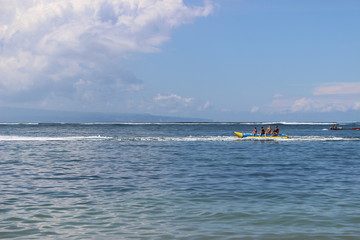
324, 138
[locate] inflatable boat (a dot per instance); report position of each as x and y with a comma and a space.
249, 135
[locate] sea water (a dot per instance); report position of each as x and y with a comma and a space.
178, 181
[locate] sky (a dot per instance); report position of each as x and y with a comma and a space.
224, 60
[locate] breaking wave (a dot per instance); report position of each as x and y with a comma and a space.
32, 138
177, 139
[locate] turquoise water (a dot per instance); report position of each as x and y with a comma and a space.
178, 181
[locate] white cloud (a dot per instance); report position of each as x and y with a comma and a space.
47, 48
356, 106
323, 105
171, 103
205, 106
172, 100
305, 105
343, 88
332, 97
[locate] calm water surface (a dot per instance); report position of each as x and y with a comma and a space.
177, 181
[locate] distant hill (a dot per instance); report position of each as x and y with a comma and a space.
8, 114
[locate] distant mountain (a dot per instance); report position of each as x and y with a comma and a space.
8, 114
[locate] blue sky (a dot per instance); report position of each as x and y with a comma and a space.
226, 60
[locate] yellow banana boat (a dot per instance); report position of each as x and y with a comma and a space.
249, 135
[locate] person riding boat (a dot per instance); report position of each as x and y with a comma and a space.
255, 131
262, 131
335, 127
268, 130
276, 131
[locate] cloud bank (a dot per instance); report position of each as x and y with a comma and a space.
331, 97
344, 88
64, 49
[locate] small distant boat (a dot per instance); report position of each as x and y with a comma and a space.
336, 127
249, 135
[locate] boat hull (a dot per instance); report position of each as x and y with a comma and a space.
248, 135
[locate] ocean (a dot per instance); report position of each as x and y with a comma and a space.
178, 181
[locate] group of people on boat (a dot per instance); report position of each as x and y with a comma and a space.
268, 132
